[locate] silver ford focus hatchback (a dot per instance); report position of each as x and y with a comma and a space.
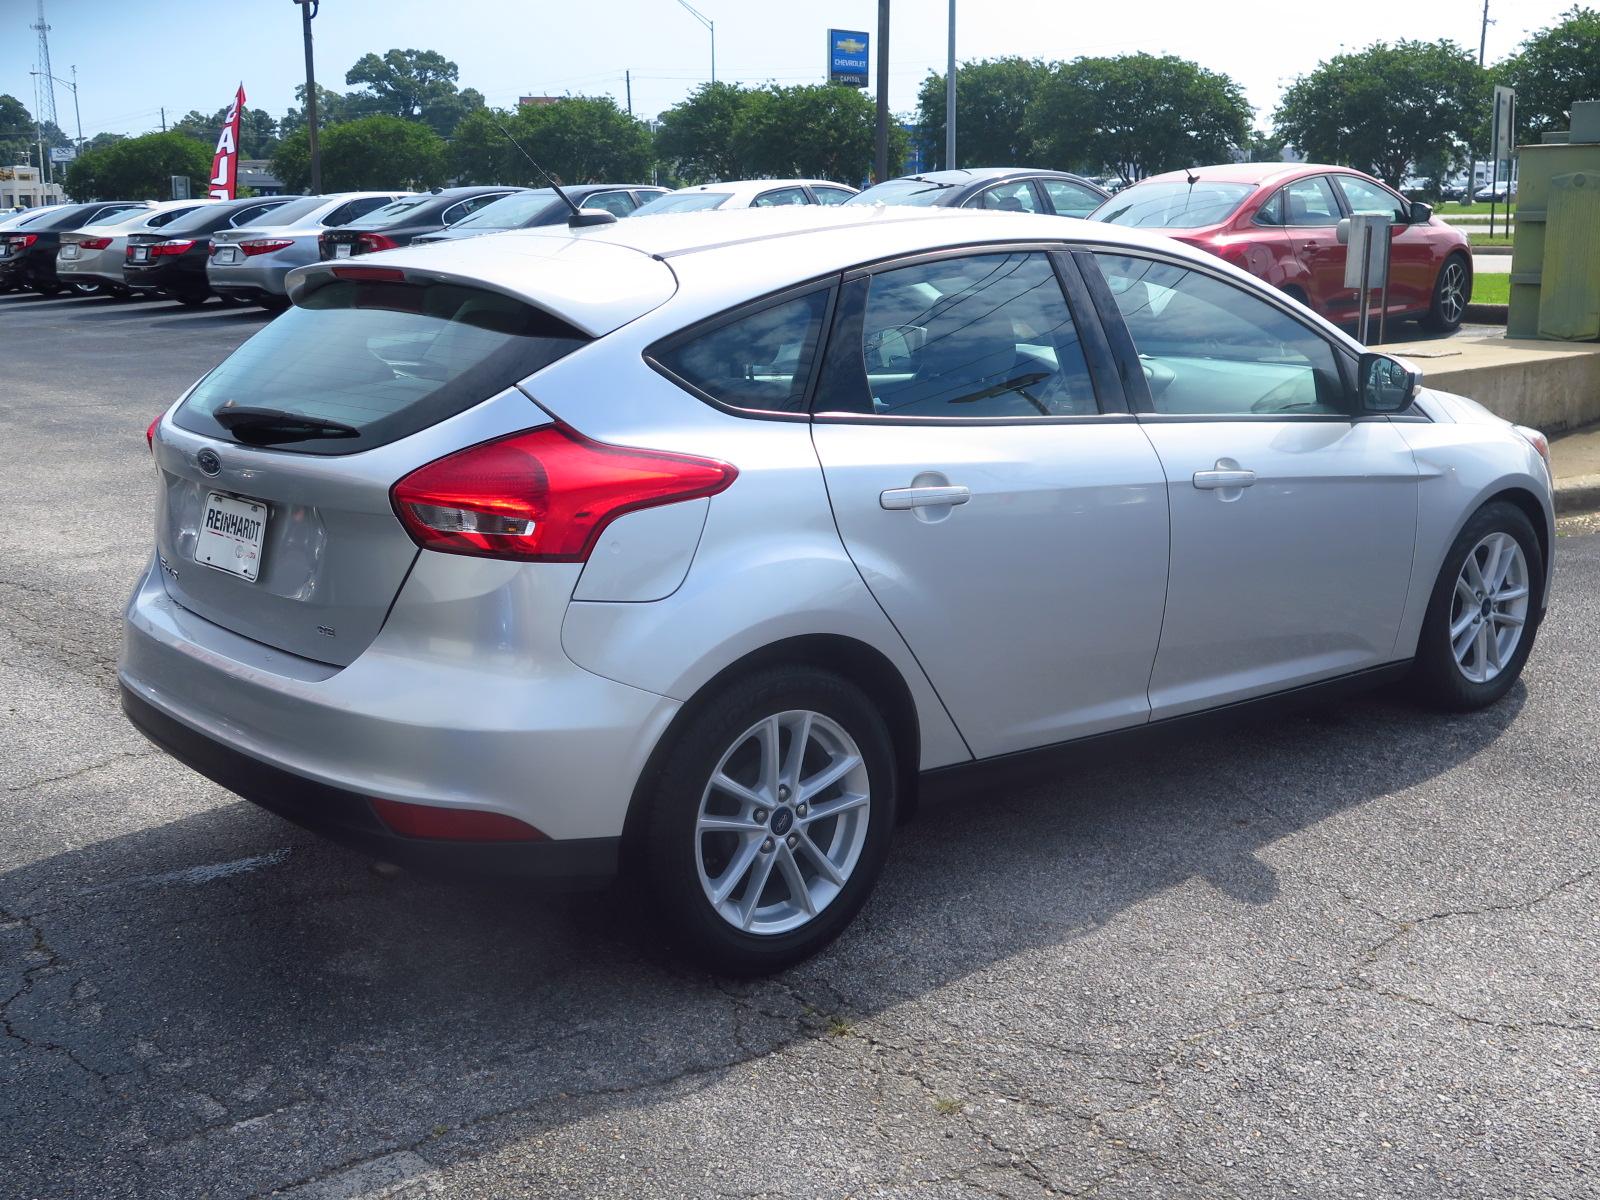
688, 549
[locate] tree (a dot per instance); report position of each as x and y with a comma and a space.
992, 100
332, 108
1386, 107
138, 168
1136, 114
414, 85
364, 154
258, 132
1550, 70
19, 143
695, 141
820, 130
580, 139
1262, 146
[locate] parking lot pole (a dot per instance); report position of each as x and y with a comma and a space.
950, 97
881, 163
308, 10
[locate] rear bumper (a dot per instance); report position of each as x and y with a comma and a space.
347, 817
250, 280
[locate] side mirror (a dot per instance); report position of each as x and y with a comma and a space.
1421, 213
1387, 385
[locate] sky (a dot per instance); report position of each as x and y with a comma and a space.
135, 56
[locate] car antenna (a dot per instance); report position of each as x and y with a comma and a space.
1189, 174
579, 218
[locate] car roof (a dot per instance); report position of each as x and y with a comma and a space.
600, 277
960, 175
1257, 173
751, 187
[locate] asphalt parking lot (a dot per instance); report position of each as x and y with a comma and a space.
1353, 951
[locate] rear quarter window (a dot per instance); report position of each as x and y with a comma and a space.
385, 359
759, 361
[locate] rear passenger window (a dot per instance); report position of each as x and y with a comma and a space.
980, 337
780, 197
618, 204
761, 361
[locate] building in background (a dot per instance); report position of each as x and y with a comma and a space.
21, 185
256, 174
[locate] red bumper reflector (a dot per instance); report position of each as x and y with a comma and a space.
453, 824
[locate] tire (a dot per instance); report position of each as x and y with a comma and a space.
118, 293
684, 863
50, 289
1452, 292
191, 299
1488, 666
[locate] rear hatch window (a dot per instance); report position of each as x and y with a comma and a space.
359, 364
1174, 205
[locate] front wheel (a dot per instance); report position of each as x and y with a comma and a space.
1452, 292
769, 820
1484, 612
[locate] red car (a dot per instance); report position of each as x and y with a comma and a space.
1280, 221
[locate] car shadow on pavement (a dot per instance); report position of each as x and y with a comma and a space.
284, 1003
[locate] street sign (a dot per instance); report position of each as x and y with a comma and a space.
180, 186
63, 154
847, 57
1366, 263
1505, 105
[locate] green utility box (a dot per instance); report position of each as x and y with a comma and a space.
1555, 256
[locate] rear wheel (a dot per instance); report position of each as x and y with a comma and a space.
87, 289
1452, 291
1484, 611
770, 819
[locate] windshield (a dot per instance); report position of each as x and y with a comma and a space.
122, 218
389, 213
921, 192
288, 214
385, 359
1174, 204
509, 212
677, 202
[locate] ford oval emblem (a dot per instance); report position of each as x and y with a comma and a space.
209, 461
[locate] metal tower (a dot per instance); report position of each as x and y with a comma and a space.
47, 83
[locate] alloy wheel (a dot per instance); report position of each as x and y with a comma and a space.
782, 822
1452, 291
1489, 609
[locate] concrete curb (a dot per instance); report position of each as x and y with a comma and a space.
1500, 251
1488, 314
1578, 493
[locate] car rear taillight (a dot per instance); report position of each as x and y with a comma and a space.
150, 432
376, 241
94, 243
265, 246
371, 274
544, 495
176, 246
22, 241
453, 824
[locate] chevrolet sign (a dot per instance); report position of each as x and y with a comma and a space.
847, 57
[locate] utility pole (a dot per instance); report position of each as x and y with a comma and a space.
308, 12
628, 78
882, 160
77, 116
950, 97
1472, 157
163, 118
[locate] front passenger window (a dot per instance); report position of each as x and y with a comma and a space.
1212, 348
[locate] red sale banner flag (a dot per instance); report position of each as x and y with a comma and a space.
225, 166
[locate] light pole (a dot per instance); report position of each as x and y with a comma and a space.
950, 97
711, 27
881, 159
308, 11
76, 115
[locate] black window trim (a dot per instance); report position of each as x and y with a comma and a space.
1335, 180
829, 283
1043, 207
788, 187
1112, 402
812, 191
1133, 374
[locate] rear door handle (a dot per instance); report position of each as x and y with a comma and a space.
1234, 478
924, 497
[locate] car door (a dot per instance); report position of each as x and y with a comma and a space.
1293, 522
1411, 268
1269, 251
1311, 213
1000, 502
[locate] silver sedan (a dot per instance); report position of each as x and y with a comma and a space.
250, 264
691, 548
90, 259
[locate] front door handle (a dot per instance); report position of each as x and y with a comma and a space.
924, 497
1224, 478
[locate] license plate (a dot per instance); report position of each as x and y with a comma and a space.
341, 249
69, 252
141, 254
231, 534
227, 254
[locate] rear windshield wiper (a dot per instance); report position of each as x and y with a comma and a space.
262, 426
